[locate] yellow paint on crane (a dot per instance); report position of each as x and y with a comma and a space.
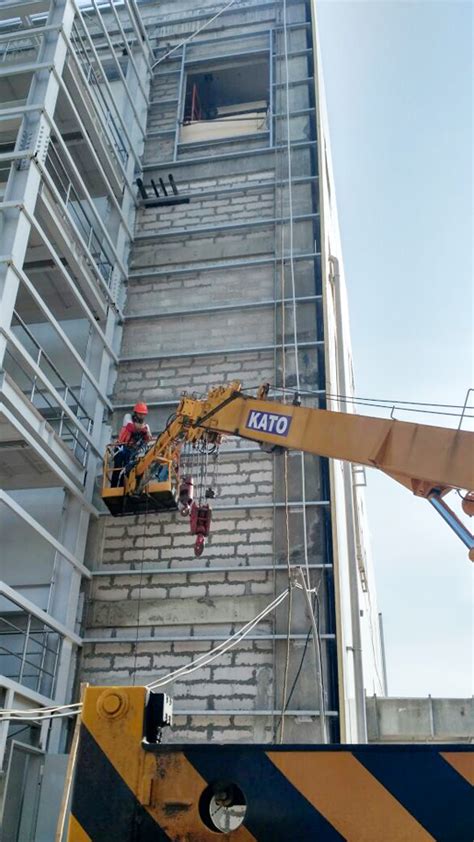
76, 833
350, 798
462, 762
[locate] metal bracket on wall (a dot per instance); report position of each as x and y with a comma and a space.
169, 193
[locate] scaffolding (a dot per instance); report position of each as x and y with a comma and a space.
74, 94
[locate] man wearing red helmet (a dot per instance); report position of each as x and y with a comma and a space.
132, 440
135, 432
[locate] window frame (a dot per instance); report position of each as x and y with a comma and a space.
195, 66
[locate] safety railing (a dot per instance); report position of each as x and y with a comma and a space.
114, 470
5, 169
29, 648
96, 89
78, 214
20, 47
41, 397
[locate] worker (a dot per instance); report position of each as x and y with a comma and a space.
131, 442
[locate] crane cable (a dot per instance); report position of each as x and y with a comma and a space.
381, 403
193, 34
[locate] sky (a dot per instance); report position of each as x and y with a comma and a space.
398, 80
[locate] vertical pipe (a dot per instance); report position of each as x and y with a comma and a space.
270, 81
180, 105
9, 700
54, 670
25, 647
129, 47
344, 389
384, 662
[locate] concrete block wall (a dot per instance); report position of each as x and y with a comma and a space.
153, 606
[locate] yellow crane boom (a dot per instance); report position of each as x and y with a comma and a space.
429, 461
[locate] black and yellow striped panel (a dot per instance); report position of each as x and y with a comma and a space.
127, 792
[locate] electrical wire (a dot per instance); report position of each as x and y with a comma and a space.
58, 711
223, 647
394, 406
193, 34
36, 717
380, 403
203, 660
297, 674
322, 686
390, 401
39, 710
396, 402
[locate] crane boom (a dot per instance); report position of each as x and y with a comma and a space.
429, 461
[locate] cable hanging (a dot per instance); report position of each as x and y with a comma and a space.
57, 711
377, 403
221, 649
193, 34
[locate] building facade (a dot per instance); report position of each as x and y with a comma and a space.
105, 300
215, 289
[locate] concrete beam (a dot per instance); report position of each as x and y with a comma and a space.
169, 612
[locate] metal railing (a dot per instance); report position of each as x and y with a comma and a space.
16, 46
29, 648
113, 477
77, 212
43, 400
100, 100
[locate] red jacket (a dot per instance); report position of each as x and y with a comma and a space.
132, 435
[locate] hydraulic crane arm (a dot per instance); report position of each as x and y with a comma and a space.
430, 461
423, 458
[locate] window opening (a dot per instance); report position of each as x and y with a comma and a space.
226, 101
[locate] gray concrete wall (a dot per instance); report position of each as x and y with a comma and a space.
184, 258
420, 720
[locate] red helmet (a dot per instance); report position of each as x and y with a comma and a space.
141, 409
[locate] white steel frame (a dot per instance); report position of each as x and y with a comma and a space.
22, 213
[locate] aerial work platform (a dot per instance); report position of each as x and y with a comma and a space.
160, 494
429, 461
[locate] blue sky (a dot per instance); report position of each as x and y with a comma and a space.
398, 78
